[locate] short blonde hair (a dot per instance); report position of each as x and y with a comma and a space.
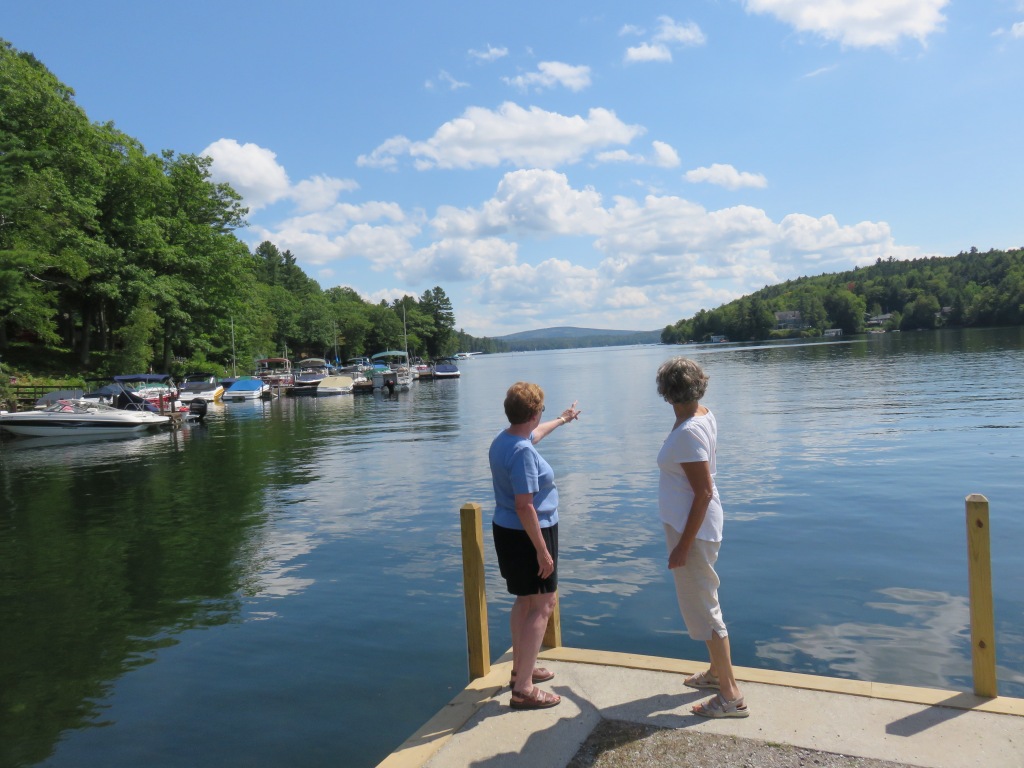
522, 401
681, 380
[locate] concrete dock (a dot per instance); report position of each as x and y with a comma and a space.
923, 727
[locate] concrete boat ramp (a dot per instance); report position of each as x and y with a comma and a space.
835, 717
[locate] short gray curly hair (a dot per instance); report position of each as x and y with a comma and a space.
681, 380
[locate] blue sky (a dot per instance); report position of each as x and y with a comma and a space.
596, 164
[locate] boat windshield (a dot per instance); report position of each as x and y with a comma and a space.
77, 406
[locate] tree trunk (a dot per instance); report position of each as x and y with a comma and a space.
85, 339
168, 350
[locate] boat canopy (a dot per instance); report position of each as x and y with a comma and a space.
247, 385
390, 353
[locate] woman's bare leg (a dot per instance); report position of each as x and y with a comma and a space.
529, 620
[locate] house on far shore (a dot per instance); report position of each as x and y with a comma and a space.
878, 319
789, 320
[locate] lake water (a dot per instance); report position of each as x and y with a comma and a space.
281, 586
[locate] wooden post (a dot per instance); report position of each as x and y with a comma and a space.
979, 576
475, 587
553, 632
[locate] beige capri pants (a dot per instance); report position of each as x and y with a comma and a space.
697, 587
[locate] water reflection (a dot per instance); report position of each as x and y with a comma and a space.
288, 550
928, 646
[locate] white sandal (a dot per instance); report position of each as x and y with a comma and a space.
719, 706
702, 680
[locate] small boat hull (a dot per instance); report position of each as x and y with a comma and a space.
79, 417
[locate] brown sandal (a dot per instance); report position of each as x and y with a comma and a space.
535, 699
540, 675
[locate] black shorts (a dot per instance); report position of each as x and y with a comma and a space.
517, 560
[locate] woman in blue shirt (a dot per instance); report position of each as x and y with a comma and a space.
525, 531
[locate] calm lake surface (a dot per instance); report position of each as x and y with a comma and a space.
281, 586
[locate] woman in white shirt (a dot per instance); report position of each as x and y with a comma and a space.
691, 513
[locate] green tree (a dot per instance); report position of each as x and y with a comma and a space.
435, 304
922, 312
385, 331
351, 315
846, 311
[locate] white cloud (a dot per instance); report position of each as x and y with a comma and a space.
250, 169
858, 23
619, 156
664, 155
379, 232
630, 259
648, 52
1017, 30
491, 54
535, 201
551, 74
320, 192
724, 175
821, 71
446, 79
343, 215
386, 155
525, 287
510, 135
669, 33
253, 172
681, 34
458, 259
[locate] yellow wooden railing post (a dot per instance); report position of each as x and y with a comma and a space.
475, 586
979, 576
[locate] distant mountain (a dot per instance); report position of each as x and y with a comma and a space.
567, 337
569, 332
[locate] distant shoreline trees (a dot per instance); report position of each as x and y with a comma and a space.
969, 289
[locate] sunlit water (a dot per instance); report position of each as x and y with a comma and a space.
282, 586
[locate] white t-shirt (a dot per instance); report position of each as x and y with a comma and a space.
696, 439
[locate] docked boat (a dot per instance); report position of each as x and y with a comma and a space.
446, 370
80, 417
341, 384
391, 370
275, 371
422, 370
355, 365
158, 389
200, 385
242, 390
308, 375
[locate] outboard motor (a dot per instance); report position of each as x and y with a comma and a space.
198, 407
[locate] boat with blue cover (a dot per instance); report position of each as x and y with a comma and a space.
243, 390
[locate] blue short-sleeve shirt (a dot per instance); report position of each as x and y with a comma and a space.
517, 467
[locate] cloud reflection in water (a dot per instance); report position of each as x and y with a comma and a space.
928, 651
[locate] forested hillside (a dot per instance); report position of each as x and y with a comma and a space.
970, 289
114, 259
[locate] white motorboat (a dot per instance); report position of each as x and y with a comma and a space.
336, 385
246, 389
200, 385
446, 370
79, 417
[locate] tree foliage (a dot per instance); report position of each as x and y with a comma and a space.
122, 259
969, 289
